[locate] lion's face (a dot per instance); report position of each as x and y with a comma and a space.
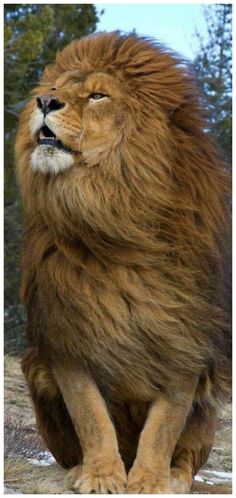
106, 98
78, 119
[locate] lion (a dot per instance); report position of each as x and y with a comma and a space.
123, 258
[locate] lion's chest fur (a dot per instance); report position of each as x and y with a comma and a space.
115, 322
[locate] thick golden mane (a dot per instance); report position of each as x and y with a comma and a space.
147, 217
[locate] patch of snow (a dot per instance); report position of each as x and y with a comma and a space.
198, 478
10, 491
221, 475
214, 477
220, 481
45, 459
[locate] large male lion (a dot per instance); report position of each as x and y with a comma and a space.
122, 266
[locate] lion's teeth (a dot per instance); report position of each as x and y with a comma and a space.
41, 136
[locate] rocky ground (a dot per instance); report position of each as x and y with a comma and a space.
30, 469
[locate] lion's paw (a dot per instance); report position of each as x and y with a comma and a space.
144, 481
99, 477
181, 482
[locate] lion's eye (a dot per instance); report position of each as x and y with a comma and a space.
97, 96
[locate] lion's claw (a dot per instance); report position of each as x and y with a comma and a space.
144, 481
100, 478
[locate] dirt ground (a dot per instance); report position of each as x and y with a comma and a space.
28, 465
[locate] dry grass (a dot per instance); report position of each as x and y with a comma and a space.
21, 475
22, 441
221, 455
16, 395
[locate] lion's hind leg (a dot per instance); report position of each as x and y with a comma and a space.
193, 447
53, 420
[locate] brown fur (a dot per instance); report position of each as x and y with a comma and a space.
122, 258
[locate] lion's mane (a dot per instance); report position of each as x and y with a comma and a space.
123, 267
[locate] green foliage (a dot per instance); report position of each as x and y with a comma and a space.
213, 66
70, 22
33, 34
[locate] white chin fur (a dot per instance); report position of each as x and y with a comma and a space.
50, 161
36, 121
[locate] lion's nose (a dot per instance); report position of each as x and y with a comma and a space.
47, 103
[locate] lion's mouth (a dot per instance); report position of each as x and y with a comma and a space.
47, 137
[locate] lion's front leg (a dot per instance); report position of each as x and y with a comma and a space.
150, 473
102, 470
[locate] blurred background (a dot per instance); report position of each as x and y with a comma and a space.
33, 33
